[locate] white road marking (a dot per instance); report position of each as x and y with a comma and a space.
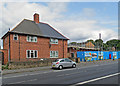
54, 71
23, 81
96, 79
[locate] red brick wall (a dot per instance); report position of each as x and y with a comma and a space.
5, 55
19, 47
5, 48
72, 50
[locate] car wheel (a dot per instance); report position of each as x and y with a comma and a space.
60, 67
73, 65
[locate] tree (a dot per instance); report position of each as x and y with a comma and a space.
118, 46
113, 43
98, 43
105, 47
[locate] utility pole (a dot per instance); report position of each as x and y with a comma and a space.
100, 44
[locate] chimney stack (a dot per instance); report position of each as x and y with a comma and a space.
36, 18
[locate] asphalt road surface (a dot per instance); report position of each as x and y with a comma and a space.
94, 74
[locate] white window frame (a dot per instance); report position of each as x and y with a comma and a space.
15, 35
53, 41
56, 54
30, 53
34, 37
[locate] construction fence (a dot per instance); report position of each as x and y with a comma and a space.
97, 55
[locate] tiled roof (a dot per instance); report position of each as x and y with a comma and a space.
40, 29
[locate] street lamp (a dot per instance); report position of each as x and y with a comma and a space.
100, 44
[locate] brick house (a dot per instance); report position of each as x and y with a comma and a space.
87, 45
33, 40
84, 46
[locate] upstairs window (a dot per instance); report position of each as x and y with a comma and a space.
15, 37
53, 41
31, 39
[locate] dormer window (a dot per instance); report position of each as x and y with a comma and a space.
15, 37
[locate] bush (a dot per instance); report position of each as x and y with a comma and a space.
5, 66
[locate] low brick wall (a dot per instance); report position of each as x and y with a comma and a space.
30, 64
75, 59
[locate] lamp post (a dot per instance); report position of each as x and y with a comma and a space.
100, 44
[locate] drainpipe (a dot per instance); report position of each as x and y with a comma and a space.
63, 48
19, 47
50, 45
9, 48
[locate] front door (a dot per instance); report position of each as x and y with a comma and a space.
72, 55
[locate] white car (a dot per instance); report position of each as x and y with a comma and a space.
61, 63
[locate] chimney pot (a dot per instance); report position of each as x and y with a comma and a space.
36, 18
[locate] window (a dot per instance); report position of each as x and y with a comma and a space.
31, 39
28, 54
54, 41
56, 60
53, 54
32, 54
67, 60
35, 39
62, 61
15, 37
35, 53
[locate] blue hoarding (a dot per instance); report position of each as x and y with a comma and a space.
97, 55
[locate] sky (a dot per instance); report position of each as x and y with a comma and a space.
79, 21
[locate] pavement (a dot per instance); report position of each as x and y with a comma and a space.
81, 64
99, 72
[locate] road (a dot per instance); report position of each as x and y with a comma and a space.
94, 74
